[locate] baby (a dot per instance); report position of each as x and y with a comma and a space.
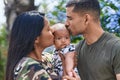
63, 46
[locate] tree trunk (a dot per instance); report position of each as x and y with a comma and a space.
14, 7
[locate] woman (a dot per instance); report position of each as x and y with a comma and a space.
30, 35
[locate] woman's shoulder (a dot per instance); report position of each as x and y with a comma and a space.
30, 68
26, 61
47, 56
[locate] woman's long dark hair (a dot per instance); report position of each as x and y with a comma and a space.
26, 28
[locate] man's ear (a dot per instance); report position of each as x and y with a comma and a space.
87, 19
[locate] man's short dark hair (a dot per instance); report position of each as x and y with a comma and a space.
84, 6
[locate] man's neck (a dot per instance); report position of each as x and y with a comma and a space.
93, 36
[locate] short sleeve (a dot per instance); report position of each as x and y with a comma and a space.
116, 58
67, 49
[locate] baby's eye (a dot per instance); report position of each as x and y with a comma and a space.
67, 37
58, 38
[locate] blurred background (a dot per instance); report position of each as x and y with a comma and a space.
55, 12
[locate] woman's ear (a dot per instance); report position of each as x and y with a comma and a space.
37, 40
36, 43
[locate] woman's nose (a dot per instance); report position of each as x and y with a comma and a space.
52, 30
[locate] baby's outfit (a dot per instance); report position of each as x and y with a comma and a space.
67, 49
57, 63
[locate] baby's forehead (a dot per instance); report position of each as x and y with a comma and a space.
61, 33
59, 26
62, 30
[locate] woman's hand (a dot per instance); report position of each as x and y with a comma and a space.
75, 76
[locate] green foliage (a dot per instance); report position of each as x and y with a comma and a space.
58, 13
3, 51
76, 39
110, 16
2, 66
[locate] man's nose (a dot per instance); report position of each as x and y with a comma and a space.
66, 24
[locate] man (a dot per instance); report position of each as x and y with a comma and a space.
99, 52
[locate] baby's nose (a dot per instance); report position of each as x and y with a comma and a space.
63, 40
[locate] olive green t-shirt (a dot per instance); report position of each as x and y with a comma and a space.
101, 60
